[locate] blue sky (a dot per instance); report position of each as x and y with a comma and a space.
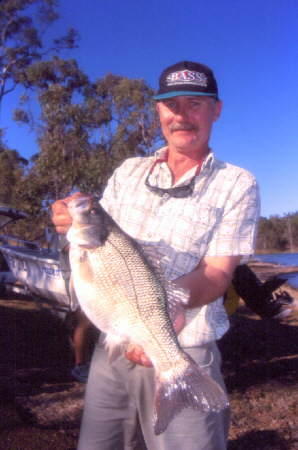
249, 44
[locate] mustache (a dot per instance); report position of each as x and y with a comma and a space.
183, 126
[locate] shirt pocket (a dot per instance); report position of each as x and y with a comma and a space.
195, 226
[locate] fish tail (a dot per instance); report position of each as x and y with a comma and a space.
189, 387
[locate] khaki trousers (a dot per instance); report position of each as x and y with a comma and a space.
118, 412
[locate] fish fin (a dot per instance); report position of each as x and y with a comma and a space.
74, 302
176, 295
115, 345
190, 387
154, 255
176, 298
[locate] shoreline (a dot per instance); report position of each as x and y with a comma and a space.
271, 269
275, 252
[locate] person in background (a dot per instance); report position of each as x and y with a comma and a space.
201, 214
83, 337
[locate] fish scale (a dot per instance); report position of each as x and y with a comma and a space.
122, 293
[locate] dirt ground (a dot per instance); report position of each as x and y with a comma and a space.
41, 406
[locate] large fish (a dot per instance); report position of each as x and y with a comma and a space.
123, 294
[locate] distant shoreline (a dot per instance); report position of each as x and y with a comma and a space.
270, 268
275, 252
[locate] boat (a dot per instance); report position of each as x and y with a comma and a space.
7, 215
34, 270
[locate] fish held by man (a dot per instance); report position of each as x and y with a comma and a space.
124, 295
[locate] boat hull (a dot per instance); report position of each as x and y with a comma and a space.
39, 273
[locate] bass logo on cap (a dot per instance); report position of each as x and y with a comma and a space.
187, 77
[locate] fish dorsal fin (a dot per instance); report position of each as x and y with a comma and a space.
153, 255
74, 302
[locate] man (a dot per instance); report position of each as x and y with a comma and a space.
202, 215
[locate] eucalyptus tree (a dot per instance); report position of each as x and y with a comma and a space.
12, 167
123, 123
133, 126
61, 129
85, 130
22, 26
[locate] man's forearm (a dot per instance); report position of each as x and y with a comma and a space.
210, 280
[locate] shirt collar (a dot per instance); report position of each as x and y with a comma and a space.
208, 163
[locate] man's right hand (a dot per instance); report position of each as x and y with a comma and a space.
136, 353
61, 217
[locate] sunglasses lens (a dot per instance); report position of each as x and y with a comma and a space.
176, 192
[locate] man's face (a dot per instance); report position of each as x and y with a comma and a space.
187, 121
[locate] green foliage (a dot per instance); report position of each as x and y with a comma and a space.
11, 171
85, 130
16, 190
61, 128
128, 120
278, 233
22, 25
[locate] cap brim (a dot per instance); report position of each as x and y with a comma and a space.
183, 93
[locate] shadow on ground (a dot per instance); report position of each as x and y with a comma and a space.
35, 361
255, 351
260, 440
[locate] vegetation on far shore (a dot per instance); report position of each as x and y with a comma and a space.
278, 234
270, 251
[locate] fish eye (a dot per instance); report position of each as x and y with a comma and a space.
95, 211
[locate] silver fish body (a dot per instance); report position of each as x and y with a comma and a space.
122, 293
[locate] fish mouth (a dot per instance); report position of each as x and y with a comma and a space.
79, 201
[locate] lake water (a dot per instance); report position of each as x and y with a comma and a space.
287, 259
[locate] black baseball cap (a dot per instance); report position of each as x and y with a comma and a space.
187, 78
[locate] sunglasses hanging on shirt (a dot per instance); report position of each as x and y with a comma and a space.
178, 191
